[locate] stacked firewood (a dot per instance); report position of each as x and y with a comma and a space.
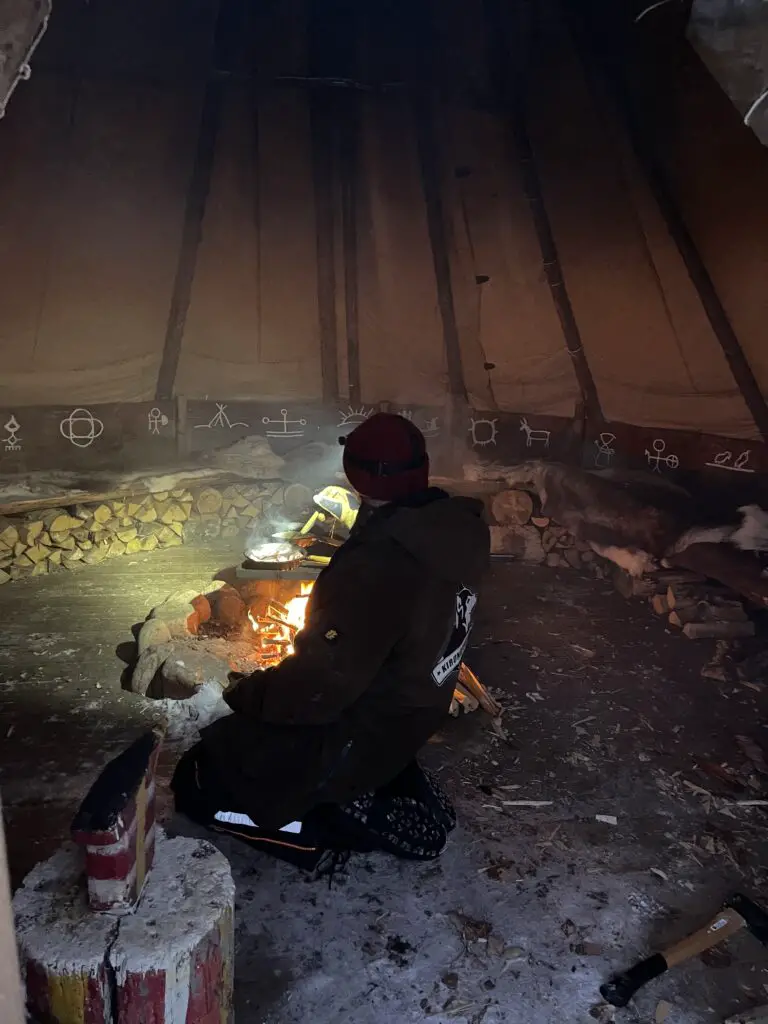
85, 534
64, 537
701, 608
520, 530
561, 547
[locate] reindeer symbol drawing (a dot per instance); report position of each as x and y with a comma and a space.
532, 435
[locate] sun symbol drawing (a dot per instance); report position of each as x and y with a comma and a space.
352, 417
483, 431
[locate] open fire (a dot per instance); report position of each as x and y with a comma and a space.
276, 626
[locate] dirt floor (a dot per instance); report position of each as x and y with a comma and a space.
532, 905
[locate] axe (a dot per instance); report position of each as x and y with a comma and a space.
738, 913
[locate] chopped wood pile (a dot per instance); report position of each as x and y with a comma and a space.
700, 608
519, 530
85, 534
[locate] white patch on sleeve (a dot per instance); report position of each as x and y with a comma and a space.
451, 655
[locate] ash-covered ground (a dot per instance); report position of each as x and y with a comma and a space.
537, 899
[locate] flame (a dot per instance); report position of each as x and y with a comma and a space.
297, 606
275, 636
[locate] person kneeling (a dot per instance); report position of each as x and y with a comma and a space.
320, 753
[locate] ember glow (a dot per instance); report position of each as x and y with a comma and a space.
277, 627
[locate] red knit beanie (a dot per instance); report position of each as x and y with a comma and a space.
385, 458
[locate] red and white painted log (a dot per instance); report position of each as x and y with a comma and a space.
171, 962
116, 826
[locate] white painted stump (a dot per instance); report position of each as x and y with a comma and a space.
171, 962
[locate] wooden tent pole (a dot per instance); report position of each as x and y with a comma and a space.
429, 164
322, 130
613, 64
350, 183
508, 77
194, 213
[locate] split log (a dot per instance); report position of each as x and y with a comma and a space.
548, 540
37, 553
146, 514
30, 530
465, 700
82, 512
60, 521
472, 684
102, 513
718, 630
670, 577
5, 577
660, 604
702, 611
739, 570
510, 507
166, 537
9, 533
174, 513
231, 496
632, 586
541, 521
94, 556
64, 540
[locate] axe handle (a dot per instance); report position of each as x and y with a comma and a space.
721, 927
622, 987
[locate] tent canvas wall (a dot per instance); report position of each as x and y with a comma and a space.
183, 250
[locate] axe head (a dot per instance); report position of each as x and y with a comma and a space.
755, 917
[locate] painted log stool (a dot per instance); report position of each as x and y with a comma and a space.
126, 926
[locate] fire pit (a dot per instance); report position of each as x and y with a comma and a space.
191, 639
194, 640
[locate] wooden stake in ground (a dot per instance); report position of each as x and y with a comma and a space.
472, 685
